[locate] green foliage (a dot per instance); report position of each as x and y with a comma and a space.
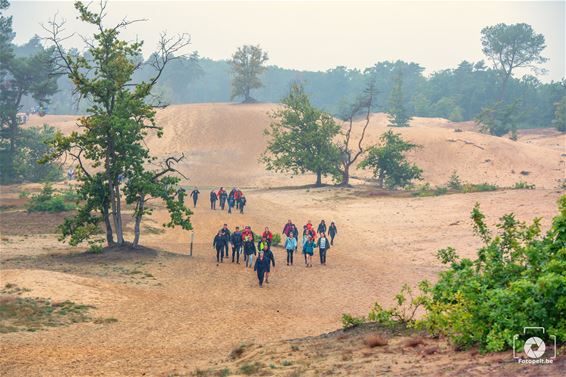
276, 239
300, 138
397, 112
517, 280
349, 321
405, 308
247, 65
478, 187
523, 186
20, 77
510, 47
48, 201
24, 194
454, 182
499, 119
559, 120
110, 152
388, 161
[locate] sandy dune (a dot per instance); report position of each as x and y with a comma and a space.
222, 143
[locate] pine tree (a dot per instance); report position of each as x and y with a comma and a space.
397, 113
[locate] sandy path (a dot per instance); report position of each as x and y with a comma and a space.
200, 310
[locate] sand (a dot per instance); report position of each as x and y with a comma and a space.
179, 312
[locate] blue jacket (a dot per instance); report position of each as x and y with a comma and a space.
290, 243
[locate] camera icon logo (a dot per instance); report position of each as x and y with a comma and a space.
534, 348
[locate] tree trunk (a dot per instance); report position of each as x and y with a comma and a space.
345, 176
109, 233
139, 214
380, 179
119, 228
318, 179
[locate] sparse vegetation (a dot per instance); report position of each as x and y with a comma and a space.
32, 314
454, 182
349, 321
251, 368
48, 201
523, 186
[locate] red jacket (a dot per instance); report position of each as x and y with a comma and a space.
268, 236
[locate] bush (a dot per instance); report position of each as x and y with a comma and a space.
349, 321
276, 239
478, 187
48, 201
405, 308
454, 182
518, 280
523, 186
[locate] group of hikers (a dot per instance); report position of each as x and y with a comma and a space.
235, 198
244, 242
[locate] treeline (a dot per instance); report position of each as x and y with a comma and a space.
457, 94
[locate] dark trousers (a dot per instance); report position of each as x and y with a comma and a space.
322, 256
290, 256
260, 276
222, 204
226, 250
236, 253
219, 253
241, 208
213, 204
230, 208
332, 238
195, 202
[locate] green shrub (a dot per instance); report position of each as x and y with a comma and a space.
404, 310
478, 187
440, 191
454, 182
48, 201
518, 280
349, 321
523, 186
24, 194
276, 239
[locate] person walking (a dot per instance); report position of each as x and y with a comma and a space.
323, 246
243, 202
261, 268
230, 204
309, 247
268, 236
288, 228
223, 198
194, 194
332, 232
249, 246
270, 260
321, 227
213, 200
219, 243
226, 234
236, 241
290, 246
237, 197
262, 243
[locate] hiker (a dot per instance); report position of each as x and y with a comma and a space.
223, 198
230, 204
249, 246
70, 174
321, 227
270, 259
226, 234
323, 246
237, 197
236, 241
219, 243
308, 250
268, 236
332, 232
290, 246
288, 228
213, 199
261, 267
194, 195
262, 243
242, 203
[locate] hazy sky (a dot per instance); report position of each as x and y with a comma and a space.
318, 35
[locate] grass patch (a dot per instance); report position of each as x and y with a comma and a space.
32, 314
13, 289
251, 368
